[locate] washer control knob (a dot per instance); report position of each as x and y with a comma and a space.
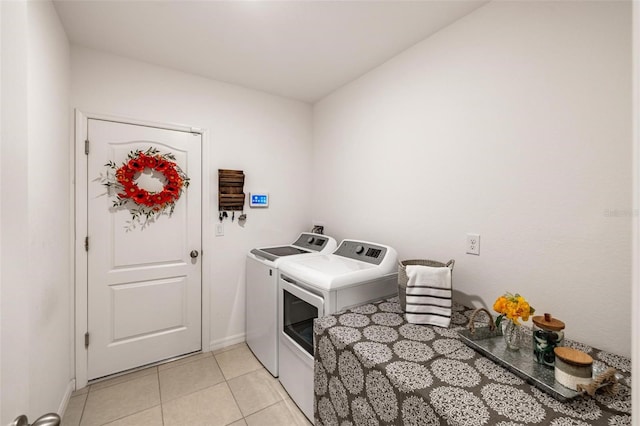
310, 240
359, 249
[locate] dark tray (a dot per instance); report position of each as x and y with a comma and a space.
520, 362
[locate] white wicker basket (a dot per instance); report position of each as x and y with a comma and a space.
402, 275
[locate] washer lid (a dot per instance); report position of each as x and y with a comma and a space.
275, 253
307, 243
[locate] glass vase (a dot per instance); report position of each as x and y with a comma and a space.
513, 334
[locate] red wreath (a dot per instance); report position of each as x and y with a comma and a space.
169, 194
149, 202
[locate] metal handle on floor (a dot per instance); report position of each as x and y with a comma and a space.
50, 419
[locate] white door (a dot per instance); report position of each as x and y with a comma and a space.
144, 286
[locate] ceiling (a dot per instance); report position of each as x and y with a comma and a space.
298, 49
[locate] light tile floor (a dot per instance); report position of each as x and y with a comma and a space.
225, 387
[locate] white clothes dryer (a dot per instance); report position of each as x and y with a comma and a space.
309, 288
262, 293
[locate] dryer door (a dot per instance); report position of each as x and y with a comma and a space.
299, 308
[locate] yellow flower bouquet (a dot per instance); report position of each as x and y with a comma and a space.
512, 306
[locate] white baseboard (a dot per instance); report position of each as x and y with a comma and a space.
71, 386
226, 341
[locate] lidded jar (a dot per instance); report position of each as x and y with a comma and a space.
573, 368
547, 334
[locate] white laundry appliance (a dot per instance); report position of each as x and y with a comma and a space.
262, 292
309, 288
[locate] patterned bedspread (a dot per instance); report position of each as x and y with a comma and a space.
374, 368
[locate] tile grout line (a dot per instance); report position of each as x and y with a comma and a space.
160, 397
185, 361
119, 383
226, 382
241, 375
84, 405
129, 415
262, 409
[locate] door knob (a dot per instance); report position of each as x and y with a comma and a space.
193, 254
21, 420
51, 419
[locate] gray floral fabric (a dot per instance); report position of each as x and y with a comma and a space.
373, 368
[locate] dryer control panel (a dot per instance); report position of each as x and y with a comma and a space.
362, 250
313, 242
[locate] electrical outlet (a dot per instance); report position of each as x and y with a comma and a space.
219, 229
473, 244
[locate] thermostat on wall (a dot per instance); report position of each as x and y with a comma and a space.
258, 199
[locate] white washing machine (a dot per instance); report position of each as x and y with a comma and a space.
309, 288
262, 293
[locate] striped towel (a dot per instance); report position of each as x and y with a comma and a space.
428, 295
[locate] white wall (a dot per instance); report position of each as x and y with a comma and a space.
36, 259
14, 295
515, 123
635, 299
50, 214
1, 199
266, 136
